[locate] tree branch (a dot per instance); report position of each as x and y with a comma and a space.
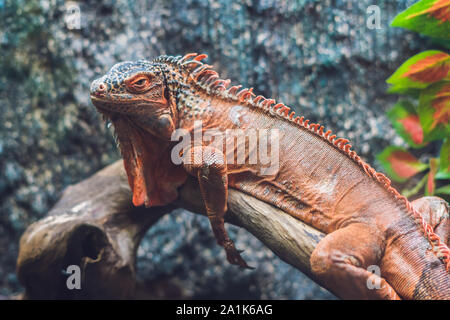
95, 226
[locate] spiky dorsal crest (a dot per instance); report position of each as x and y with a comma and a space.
208, 80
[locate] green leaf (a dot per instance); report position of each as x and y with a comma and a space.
444, 161
431, 183
399, 164
442, 175
443, 190
420, 71
429, 17
410, 192
399, 89
406, 122
434, 111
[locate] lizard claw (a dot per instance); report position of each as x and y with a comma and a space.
234, 256
236, 259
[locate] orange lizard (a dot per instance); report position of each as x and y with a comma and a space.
310, 174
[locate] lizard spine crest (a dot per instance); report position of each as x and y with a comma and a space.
208, 80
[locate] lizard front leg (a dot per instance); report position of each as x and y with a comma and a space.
208, 164
341, 261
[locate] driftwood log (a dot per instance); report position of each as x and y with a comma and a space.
95, 226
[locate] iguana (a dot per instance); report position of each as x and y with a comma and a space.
318, 179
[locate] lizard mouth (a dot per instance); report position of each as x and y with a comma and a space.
105, 103
102, 99
111, 100
97, 98
116, 104
101, 103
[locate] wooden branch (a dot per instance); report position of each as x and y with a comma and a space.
95, 226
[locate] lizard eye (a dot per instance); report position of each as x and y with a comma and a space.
139, 84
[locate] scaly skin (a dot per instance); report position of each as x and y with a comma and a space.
318, 179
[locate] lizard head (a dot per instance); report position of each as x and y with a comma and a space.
137, 90
137, 98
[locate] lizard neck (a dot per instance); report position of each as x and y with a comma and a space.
192, 105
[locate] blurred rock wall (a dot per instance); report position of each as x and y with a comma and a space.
318, 57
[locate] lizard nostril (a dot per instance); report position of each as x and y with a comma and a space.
101, 87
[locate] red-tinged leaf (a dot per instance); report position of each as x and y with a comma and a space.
406, 122
400, 164
444, 91
412, 126
439, 10
431, 183
420, 71
430, 17
442, 111
431, 69
441, 104
434, 111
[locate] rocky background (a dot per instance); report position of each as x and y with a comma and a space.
318, 57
